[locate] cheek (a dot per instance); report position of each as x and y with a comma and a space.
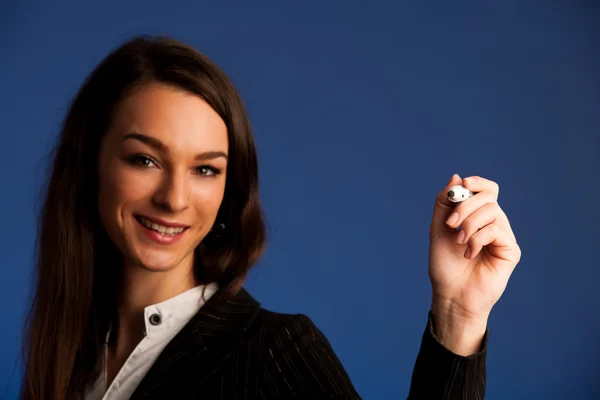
208, 198
119, 189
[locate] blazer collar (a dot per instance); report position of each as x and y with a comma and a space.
214, 332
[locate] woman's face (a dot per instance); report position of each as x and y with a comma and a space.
162, 170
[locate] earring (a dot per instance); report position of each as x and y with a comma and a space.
218, 230
215, 233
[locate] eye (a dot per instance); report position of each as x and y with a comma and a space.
142, 161
206, 170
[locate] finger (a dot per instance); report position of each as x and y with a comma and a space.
504, 223
442, 208
496, 241
471, 205
487, 214
479, 184
486, 191
484, 215
468, 207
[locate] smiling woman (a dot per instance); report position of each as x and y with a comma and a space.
150, 224
155, 155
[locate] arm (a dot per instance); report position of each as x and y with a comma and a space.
442, 374
473, 251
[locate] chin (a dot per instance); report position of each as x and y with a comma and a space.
159, 261
157, 266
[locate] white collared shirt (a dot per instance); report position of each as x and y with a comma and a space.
163, 321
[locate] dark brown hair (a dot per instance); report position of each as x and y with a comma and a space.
74, 300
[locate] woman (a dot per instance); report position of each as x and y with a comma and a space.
150, 224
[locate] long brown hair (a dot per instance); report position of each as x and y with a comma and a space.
75, 300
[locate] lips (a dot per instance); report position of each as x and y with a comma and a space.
161, 231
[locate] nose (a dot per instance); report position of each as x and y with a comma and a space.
173, 193
451, 193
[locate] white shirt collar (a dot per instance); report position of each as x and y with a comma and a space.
161, 319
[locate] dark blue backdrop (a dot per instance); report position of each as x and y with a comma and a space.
362, 112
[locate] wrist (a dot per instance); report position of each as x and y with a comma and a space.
459, 332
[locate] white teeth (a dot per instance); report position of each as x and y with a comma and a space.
163, 230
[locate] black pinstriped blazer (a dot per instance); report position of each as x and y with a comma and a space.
234, 349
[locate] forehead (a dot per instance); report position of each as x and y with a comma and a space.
182, 121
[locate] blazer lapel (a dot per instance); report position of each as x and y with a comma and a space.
215, 331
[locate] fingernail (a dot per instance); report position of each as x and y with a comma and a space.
468, 252
452, 219
461, 236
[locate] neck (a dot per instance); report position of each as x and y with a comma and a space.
140, 288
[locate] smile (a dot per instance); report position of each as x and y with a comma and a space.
161, 232
162, 229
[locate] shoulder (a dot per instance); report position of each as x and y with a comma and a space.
298, 359
283, 355
283, 321
281, 329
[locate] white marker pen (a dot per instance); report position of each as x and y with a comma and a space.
458, 193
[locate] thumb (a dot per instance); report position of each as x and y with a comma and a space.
442, 209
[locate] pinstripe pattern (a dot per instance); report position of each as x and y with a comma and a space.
234, 349
441, 374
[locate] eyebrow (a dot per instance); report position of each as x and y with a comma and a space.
160, 146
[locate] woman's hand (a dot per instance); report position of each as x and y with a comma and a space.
469, 268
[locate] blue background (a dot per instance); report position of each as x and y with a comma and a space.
362, 111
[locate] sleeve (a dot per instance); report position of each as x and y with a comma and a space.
441, 374
300, 363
